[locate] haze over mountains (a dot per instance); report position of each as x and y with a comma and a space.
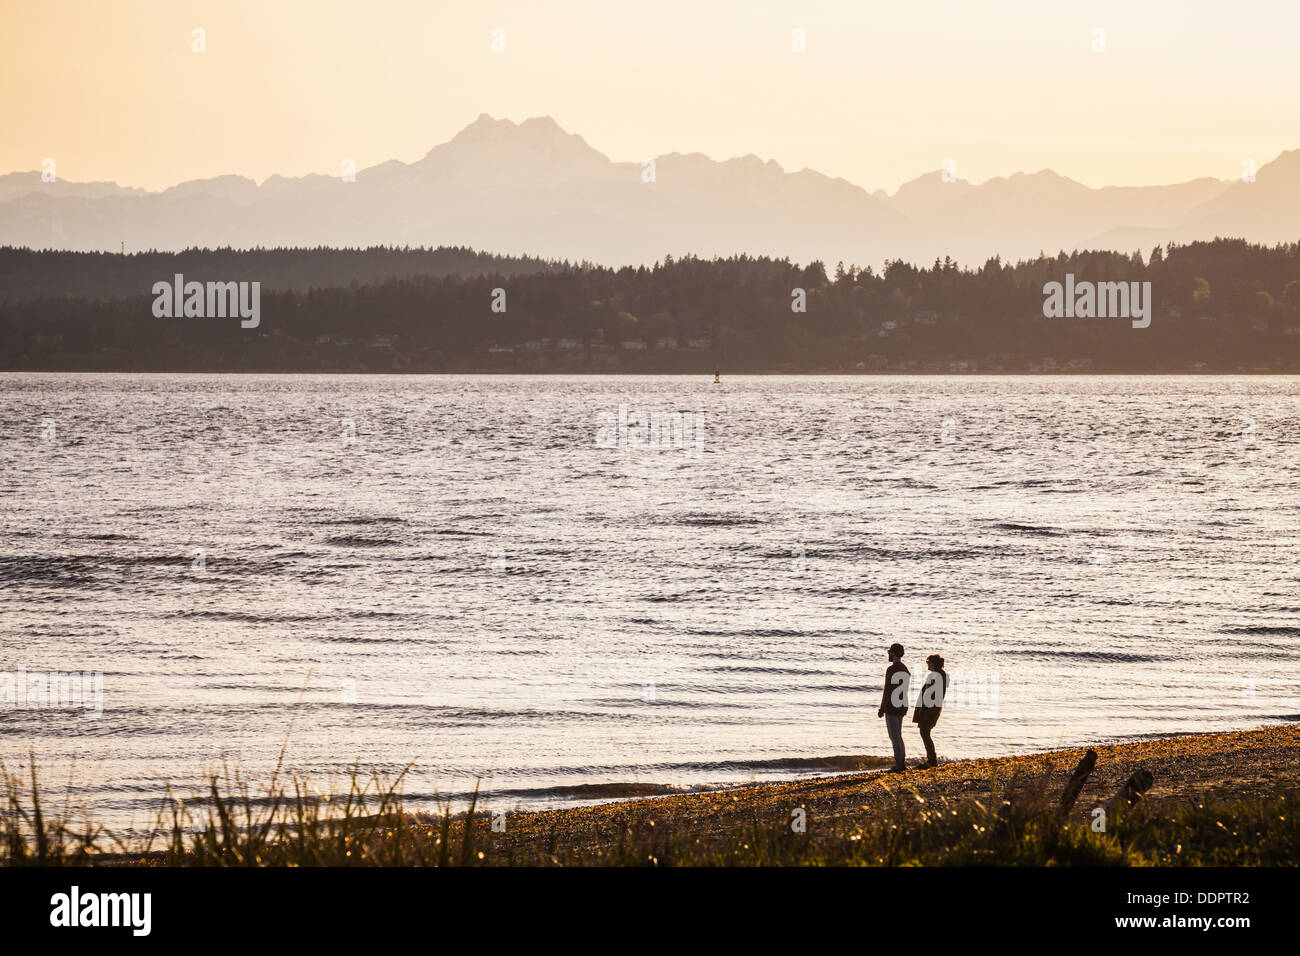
533, 188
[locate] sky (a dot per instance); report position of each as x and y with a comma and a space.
885, 90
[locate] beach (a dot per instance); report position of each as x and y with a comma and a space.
1199, 800
1190, 771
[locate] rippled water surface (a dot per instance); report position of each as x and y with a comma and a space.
474, 586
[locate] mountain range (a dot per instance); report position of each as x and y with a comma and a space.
533, 188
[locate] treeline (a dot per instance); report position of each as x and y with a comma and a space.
1222, 306
35, 274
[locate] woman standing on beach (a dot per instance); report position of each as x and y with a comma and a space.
929, 703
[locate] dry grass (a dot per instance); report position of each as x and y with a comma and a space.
1220, 800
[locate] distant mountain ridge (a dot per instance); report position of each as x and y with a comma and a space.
532, 188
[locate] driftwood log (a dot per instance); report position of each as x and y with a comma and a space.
1077, 780
1131, 792
1071, 794
1138, 783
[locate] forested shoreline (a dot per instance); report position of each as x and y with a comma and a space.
1221, 306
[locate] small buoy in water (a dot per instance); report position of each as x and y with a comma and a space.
717, 378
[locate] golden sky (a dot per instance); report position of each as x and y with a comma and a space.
887, 89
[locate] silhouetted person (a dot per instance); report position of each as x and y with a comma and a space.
893, 704
929, 703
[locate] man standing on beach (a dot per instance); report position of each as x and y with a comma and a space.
893, 704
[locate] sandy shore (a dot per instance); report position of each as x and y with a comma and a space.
1240, 764
1223, 799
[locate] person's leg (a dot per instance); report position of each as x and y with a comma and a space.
894, 724
930, 758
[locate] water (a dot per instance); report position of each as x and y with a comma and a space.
474, 587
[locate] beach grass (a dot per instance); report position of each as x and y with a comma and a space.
1000, 812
